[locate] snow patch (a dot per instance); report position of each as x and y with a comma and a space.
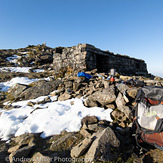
52, 118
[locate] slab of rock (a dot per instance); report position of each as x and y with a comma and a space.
90, 103
89, 120
13, 149
118, 115
104, 148
40, 158
122, 87
41, 90
16, 90
79, 150
132, 92
61, 140
20, 153
103, 97
120, 100
64, 97
126, 110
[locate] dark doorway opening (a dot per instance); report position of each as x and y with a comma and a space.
101, 63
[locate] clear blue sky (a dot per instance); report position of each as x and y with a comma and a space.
130, 27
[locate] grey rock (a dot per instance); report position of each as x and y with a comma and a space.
122, 87
76, 86
64, 97
103, 97
126, 110
104, 148
118, 116
16, 90
20, 153
85, 132
79, 150
89, 120
41, 90
61, 140
120, 100
90, 103
132, 92
40, 158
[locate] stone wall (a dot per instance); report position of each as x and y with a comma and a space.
87, 57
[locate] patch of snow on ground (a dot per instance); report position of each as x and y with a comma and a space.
52, 118
38, 70
19, 69
13, 59
4, 86
15, 69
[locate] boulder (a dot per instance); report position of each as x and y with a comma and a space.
76, 86
41, 90
61, 140
79, 150
118, 116
64, 97
104, 148
85, 132
106, 83
103, 97
20, 154
126, 110
90, 103
40, 158
25, 139
16, 90
132, 92
3, 152
68, 84
110, 106
14, 148
122, 87
120, 100
89, 120
151, 156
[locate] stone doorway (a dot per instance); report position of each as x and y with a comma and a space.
102, 63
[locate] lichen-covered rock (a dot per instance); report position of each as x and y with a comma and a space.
40, 158
132, 92
103, 97
20, 153
64, 97
89, 120
104, 148
16, 90
79, 150
40, 90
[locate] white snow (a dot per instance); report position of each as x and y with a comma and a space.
19, 69
13, 59
4, 86
52, 118
38, 70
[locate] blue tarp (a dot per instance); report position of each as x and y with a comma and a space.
83, 74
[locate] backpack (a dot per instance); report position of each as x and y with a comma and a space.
148, 120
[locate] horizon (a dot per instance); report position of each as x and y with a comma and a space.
124, 27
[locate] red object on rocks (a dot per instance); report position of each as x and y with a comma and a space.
112, 79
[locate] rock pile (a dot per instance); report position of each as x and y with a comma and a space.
97, 140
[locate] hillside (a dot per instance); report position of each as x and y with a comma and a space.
61, 117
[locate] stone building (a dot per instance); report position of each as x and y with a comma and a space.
87, 57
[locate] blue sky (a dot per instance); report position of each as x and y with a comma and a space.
129, 27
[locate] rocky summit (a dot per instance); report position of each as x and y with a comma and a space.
54, 72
